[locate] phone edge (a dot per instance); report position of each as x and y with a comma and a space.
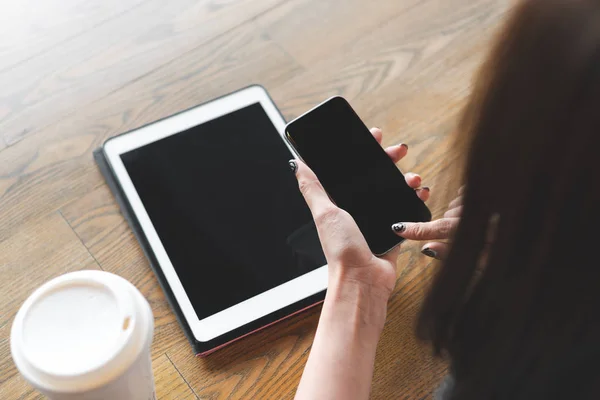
314, 108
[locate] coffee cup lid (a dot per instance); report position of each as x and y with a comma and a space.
80, 331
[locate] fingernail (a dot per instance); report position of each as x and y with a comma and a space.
293, 165
399, 227
425, 188
429, 253
404, 145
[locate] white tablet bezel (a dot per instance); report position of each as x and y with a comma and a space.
255, 307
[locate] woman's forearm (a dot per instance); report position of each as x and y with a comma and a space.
340, 365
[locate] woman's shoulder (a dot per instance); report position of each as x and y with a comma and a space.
574, 376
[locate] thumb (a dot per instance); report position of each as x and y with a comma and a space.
317, 199
434, 230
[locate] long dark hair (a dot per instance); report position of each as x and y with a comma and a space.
513, 315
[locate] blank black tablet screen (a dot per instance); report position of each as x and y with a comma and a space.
226, 208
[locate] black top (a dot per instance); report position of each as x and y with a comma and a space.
576, 377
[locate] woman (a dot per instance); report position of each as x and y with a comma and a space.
515, 305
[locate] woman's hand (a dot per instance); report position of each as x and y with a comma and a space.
347, 252
340, 365
440, 229
397, 153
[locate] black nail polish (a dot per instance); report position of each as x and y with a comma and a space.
293, 165
429, 253
404, 145
399, 227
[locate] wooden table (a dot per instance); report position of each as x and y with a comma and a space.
73, 73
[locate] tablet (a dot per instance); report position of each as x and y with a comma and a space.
221, 212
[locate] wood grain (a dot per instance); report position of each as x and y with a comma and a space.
249, 368
78, 72
101, 60
25, 34
335, 25
172, 386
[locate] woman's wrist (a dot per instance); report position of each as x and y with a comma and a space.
342, 357
374, 281
363, 302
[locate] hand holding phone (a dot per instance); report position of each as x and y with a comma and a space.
356, 172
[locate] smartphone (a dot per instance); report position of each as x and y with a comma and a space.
356, 172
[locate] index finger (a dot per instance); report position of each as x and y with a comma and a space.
317, 199
438, 229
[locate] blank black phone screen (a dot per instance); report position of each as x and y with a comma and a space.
226, 208
356, 172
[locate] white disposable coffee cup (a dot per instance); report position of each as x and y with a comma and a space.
86, 335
